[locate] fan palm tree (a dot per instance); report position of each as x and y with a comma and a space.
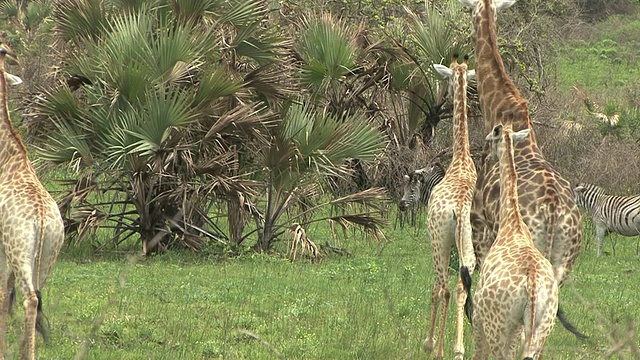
170, 90
421, 40
306, 148
174, 107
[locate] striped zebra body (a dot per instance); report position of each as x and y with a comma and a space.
610, 213
417, 188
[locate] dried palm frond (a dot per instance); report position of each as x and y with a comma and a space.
370, 224
301, 244
85, 220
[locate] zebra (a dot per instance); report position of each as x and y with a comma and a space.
610, 213
417, 188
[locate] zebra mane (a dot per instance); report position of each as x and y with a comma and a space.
589, 187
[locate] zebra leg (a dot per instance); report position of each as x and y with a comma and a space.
600, 233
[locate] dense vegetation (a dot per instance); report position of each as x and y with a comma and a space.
232, 126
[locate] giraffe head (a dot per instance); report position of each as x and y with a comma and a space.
6, 53
456, 72
502, 138
478, 7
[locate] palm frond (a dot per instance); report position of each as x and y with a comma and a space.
165, 112
215, 86
328, 50
272, 81
67, 146
171, 46
190, 10
243, 12
9, 10
60, 103
80, 20
257, 43
135, 5
37, 12
369, 197
435, 37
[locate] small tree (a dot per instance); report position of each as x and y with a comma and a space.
305, 149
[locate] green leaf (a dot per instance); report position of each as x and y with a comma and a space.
80, 20
327, 47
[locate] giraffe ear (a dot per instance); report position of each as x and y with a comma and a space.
12, 79
504, 4
443, 70
520, 135
471, 74
495, 133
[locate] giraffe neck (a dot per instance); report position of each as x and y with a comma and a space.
510, 217
495, 87
460, 129
11, 145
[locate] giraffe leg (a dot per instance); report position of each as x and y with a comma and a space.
28, 350
435, 304
24, 274
441, 295
441, 254
4, 313
446, 300
461, 297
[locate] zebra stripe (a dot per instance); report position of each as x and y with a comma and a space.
418, 186
610, 213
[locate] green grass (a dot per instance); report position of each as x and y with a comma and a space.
605, 61
372, 305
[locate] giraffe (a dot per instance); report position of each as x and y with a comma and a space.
517, 288
448, 216
546, 199
31, 228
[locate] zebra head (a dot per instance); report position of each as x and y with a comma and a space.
418, 186
585, 195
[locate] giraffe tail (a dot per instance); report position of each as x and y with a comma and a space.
41, 327
569, 326
467, 259
466, 283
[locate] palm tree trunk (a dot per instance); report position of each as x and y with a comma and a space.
237, 220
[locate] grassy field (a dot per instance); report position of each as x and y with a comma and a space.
372, 305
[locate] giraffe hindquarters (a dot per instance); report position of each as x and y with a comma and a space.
494, 332
51, 244
53, 237
545, 308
